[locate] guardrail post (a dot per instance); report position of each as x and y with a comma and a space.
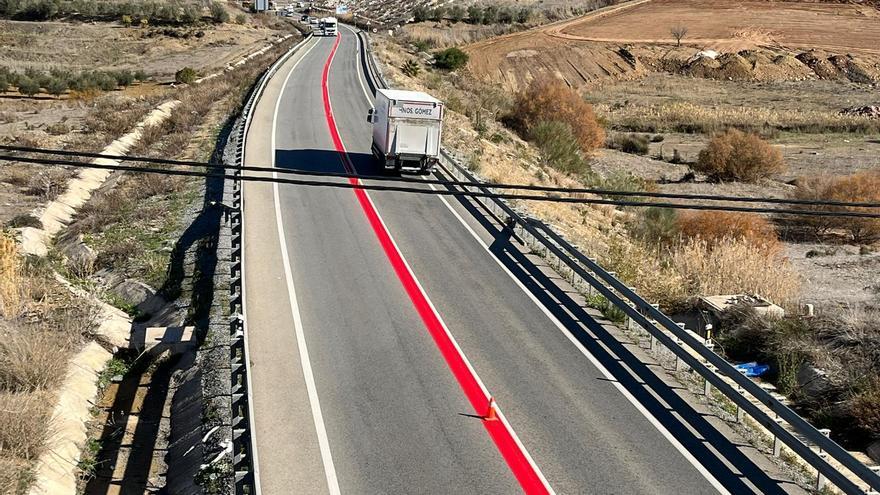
707, 385
876, 470
777, 443
740, 413
654, 341
678, 361
821, 481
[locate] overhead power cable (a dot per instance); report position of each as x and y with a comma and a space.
442, 192
414, 180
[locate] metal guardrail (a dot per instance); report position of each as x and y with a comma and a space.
542, 238
244, 450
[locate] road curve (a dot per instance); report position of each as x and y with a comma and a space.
354, 392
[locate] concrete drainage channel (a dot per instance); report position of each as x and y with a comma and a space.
828, 462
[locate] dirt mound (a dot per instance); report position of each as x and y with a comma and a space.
872, 111
749, 65
516, 61
856, 69
841, 67
772, 66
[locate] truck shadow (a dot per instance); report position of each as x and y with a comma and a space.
315, 160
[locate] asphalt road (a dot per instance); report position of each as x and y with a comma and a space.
351, 393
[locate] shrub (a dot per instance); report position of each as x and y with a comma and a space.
631, 143
4, 83
140, 75
451, 59
621, 180
28, 86
105, 82
124, 77
240, 19
475, 14
655, 225
423, 45
490, 14
219, 13
126, 20
523, 15
24, 220
421, 13
506, 16
713, 226
56, 86
411, 68
862, 187
191, 14
186, 75
735, 155
457, 13
551, 100
559, 147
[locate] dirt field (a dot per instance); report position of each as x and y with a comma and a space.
77, 46
790, 41
739, 25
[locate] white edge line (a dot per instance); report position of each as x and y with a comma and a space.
662, 429
323, 443
446, 329
651, 419
247, 124
317, 417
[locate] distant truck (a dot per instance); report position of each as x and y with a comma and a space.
407, 126
328, 26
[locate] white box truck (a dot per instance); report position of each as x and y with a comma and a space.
329, 26
407, 126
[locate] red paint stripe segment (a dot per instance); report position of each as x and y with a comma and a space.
499, 431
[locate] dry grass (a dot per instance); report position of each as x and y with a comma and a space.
10, 278
438, 35
715, 226
734, 266
31, 360
862, 187
646, 269
682, 116
15, 475
23, 421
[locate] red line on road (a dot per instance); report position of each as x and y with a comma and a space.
503, 437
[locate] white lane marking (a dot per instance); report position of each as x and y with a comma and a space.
662, 429
358, 72
611, 378
464, 357
317, 417
250, 388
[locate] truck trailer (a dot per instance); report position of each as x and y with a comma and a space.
407, 126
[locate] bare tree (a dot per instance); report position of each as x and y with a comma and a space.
679, 32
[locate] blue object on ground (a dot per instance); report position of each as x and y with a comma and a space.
752, 369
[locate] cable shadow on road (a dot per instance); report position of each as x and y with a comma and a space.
727, 463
